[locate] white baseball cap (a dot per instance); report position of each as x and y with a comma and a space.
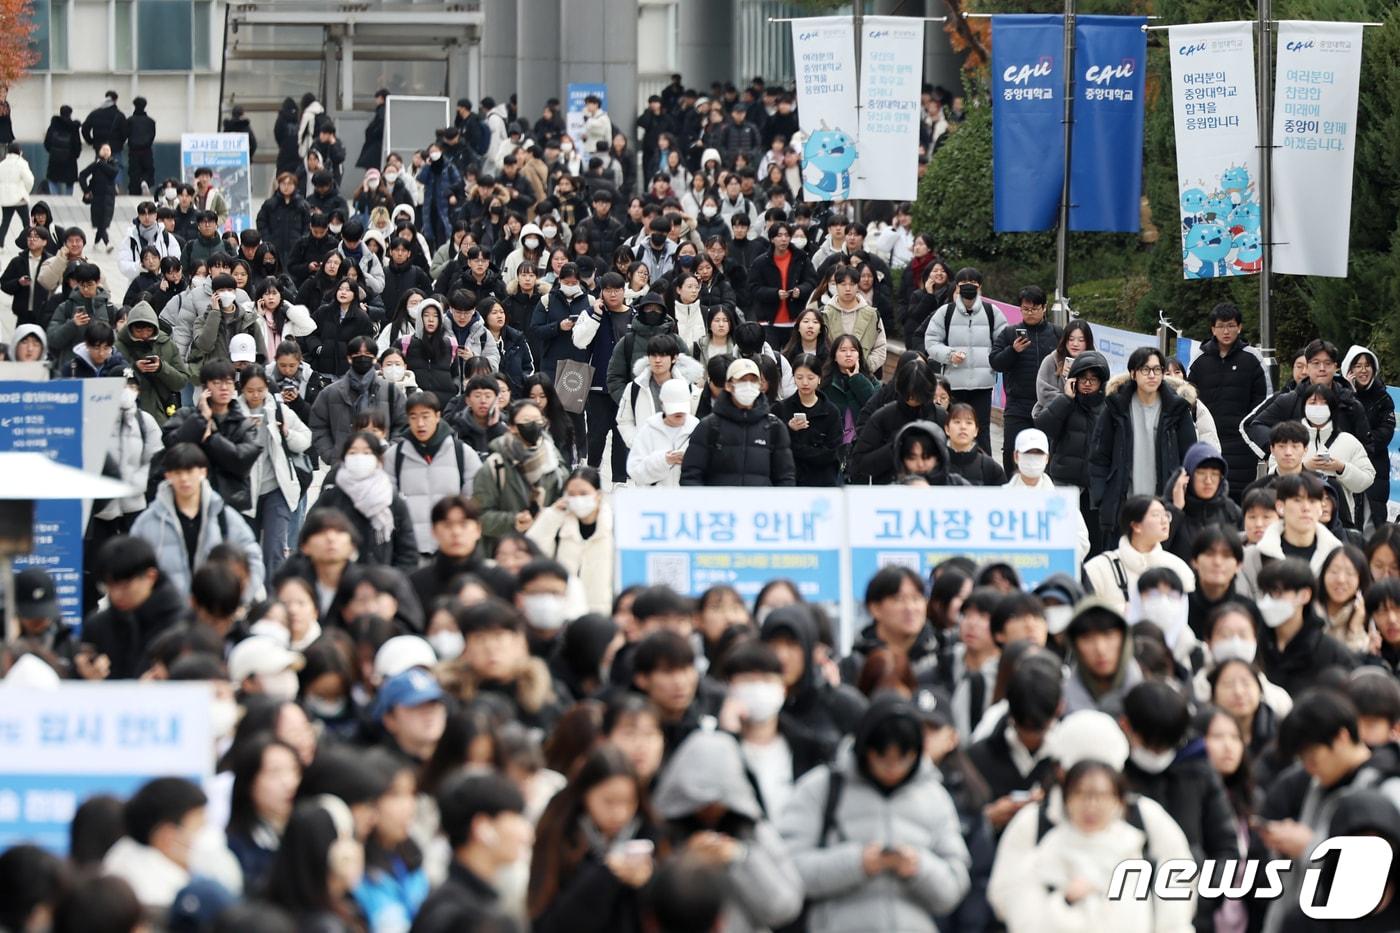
1032, 439
259, 654
401, 653
243, 348
675, 397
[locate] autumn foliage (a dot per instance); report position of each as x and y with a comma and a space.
17, 55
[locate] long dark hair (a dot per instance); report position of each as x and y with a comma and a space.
246, 763
832, 370
1240, 785
1073, 327
401, 323
559, 845
300, 877
793, 347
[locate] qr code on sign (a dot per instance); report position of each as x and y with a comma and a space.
673, 570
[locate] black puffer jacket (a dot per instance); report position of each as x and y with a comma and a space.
1069, 421
1348, 414
1020, 369
1191, 793
815, 448
1111, 446
1231, 387
431, 362
329, 346
283, 222
1380, 413
814, 707
872, 458
734, 446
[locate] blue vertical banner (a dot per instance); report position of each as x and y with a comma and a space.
1028, 153
69, 421
1110, 62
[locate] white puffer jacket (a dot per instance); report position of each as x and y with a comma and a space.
638, 405
16, 180
967, 331
135, 442
646, 459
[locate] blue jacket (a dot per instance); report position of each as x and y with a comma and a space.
440, 181
390, 899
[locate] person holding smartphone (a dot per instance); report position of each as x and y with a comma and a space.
813, 424
1018, 351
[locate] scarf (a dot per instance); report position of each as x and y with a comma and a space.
532, 464
373, 497
148, 234
599, 844
434, 444
360, 387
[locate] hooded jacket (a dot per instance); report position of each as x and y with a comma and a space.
763, 888
646, 456
1111, 446
159, 391
942, 475
216, 330
735, 446
63, 143
864, 324
1380, 414
1101, 573
917, 812
875, 459
558, 534
1079, 692
627, 349
16, 180
1349, 414
637, 404
166, 244
81, 365
1199, 513
1068, 422
1270, 548
814, 707
160, 525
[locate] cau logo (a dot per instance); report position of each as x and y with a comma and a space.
1187, 50
1103, 74
1022, 74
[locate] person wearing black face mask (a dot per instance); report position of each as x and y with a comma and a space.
650, 320
361, 389
658, 253
522, 475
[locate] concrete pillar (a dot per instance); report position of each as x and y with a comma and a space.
537, 57
599, 43
705, 42
498, 48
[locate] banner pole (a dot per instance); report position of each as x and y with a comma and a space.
857, 21
1266, 205
1061, 306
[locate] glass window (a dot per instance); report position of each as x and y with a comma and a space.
164, 35
201, 35
39, 38
123, 44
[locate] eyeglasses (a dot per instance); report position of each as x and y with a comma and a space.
1151, 370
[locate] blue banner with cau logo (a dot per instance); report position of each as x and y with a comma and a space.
1106, 158
1028, 153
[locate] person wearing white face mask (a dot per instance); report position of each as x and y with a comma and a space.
1144, 523
549, 597
1159, 600
1232, 632
1338, 455
531, 249
1031, 458
774, 755
258, 664
364, 493
1163, 766
497, 658
578, 533
1296, 647
740, 443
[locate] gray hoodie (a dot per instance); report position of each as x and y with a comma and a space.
764, 889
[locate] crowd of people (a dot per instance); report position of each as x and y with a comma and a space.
372, 444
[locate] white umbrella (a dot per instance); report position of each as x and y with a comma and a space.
35, 476
32, 476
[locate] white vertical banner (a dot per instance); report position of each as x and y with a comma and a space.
823, 50
891, 77
1217, 156
1315, 93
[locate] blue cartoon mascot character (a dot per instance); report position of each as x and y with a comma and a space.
1249, 253
1208, 243
827, 157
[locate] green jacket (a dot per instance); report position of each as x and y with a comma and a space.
213, 333
502, 491
64, 335
159, 391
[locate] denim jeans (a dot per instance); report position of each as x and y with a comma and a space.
275, 520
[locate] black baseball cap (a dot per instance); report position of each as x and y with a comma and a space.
35, 595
